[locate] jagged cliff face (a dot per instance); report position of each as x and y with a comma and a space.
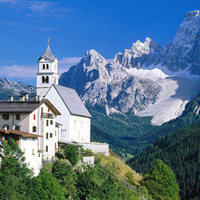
144, 79
183, 52
109, 84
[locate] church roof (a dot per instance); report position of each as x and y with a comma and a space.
47, 54
72, 101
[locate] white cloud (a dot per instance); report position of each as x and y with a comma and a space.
65, 63
18, 71
29, 71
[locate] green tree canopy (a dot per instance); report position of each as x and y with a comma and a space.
62, 171
72, 154
47, 186
161, 182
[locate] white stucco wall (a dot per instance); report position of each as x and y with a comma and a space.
51, 72
79, 129
63, 119
49, 142
23, 122
29, 147
97, 147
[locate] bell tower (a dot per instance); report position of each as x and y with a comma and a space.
47, 72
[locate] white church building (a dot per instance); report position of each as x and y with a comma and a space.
55, 117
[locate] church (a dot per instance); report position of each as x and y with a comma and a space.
55, 117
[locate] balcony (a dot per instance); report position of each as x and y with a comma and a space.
47, 115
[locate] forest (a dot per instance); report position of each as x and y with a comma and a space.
63, 179
179, 150
131, 134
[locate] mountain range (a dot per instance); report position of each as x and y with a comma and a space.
147, 79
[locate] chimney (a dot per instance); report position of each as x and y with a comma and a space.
37, 98
22, 98
26, 96
11, 98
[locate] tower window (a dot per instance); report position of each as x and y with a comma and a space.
47, 66
34, 129
45, 79
43, 66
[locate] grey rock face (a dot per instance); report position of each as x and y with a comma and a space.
110, 84
139, 54
183, 51
19, 87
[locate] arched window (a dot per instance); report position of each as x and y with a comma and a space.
47, 66
43, 66
47, 79
34, 129
43, 79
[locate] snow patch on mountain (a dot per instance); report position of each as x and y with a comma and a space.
147, 79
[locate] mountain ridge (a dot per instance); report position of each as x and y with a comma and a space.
123, 84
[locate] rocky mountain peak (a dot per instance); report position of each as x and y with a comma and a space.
183, 51
92, 57
191, 14
137, 80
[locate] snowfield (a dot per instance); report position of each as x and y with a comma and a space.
177, 90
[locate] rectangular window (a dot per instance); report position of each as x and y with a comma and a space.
51, 122
34, 117
6, 116
17, 127
46, 148
47, 123
17, 116
33, 152
34, 129
46, 135
51, 135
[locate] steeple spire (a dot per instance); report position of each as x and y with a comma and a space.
47, 54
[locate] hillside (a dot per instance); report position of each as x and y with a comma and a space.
179, 150
132, 134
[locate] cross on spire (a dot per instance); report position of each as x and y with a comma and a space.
48, 40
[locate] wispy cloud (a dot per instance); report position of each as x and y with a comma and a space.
29, 71
48, 9
18, 71
65, 63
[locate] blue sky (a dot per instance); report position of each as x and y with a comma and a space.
75, 26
